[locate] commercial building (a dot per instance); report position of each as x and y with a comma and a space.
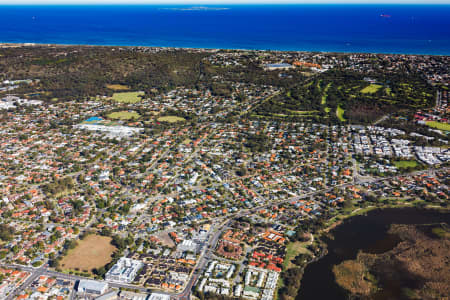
272, 67
125, 270
188, 245
112, 131
92, 287
109, 296
156, 296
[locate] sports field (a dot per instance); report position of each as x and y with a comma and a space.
94, 251
439, 125
128, 97
171, 119
405, 164
123, 115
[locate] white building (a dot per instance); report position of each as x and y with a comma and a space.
92, 287
125, 270
113, 131
156, 296
282, 66
188, 245
238, 290
109, 296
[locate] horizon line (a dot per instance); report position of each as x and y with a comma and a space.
222, 2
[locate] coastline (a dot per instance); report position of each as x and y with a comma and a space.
4, 45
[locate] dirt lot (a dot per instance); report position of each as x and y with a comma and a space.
166, 240
92, 252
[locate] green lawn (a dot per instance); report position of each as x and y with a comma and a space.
401, 164
389, 92
318, 85
303, 112
171, 119
439, 125
325, 95
123, 115
340, 114
371, 89
292, 250
128, 97
406, 86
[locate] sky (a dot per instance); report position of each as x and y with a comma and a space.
205, 2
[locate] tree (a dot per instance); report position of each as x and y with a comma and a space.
53, 263
348, 203
301, 259
242, 171
6, 232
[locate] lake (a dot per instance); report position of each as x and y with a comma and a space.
367, 233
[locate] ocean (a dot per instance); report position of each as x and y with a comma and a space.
408, 29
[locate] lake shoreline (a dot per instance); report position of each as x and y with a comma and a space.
337, 226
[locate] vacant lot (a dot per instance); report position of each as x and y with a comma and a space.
371, 89
92, 252
117, 87
124, 115
128, 97
171, 119
165, 239
439, 125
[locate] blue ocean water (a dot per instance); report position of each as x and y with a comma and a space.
413, 29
